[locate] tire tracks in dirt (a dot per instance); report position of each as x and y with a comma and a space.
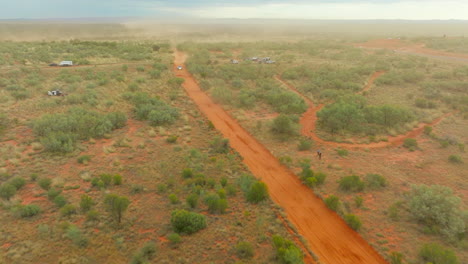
309, 119
329, 237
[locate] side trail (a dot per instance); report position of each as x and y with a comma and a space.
327, 234
309, 119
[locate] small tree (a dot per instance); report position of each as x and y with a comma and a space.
258, 192
116, 205
7, 191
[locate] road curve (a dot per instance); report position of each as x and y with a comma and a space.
327, 234
309, 119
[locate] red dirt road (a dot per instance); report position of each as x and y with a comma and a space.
309, 119
327, 234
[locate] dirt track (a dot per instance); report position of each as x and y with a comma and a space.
327, 234
309, 119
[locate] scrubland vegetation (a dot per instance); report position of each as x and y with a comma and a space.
123, 158
125, 166
411, 90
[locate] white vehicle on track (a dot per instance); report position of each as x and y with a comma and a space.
179, 67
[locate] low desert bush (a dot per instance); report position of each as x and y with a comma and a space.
436, 254
351, 183
353, 221
187, 222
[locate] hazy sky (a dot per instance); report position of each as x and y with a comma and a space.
293, 9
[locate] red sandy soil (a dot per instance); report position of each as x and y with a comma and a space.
330, 238
398, 45
309, 119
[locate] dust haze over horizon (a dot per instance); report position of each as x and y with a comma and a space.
243, 9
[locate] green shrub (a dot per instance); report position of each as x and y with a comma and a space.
304, 144
351, 183
283, 125
216, 204
17, 182
244, 250
187, 173
436, 254
410, 143
7, 191
92, 215
311, 182
76, 236
353, 221
140, 68
60, 132
84, 159
106, 179
45, 183
192, 200
60, 201
156, 111
375, 181
358, 200
173, 198
437, 207
117, 179
455, 159
148, 250
187, 222
258, 192
28, 210
396, 258
174, 238
286, 251
52, 193
320, 176
172, 139
223, 182
220, 145
86, 203
68, 210
332, 202
145, 254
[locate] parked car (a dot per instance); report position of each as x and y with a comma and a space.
179, 67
